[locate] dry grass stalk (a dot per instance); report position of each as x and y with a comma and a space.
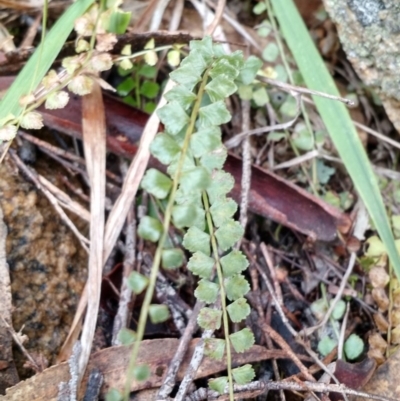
94, 141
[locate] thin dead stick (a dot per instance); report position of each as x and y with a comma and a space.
53, 151
246, 165
132, 180
208, 17
264, 386
360, 226
31, 32
64, 199
173, 368
270, 265
121, 318
312, 154
284, 345
17, 340
227, 15
51, 148
217, 18
273, 296
268, 340
193, 367
167, 295
308, 331
234, 141
299, 89
377, 134
343, 332
94, 141
285, 321
52, 199
158, 15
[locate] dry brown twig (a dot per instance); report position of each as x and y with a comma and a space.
261, 387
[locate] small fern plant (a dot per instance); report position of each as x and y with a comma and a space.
196, 187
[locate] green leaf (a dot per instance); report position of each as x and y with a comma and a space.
141, 373
126, 336
206, 291
319, 308
213, 114
260, 97
119, 21
218, 384
182, 95
188, 164
204, 47
250, 69
172, 258
339, 310
290, 107
196, 178
185, 76
188, 215
197, 240
228, 234
233, 263
375, 247
336, 119
245, 92
209, 319
396, 225
224, 67
147, 71
201, 264
242, 340
214, 160
214, 348
184, 197
156, 183
196, 62
158, 313
259, 8
222, 210
149, 107
244, 374
353, 346
150, 228
270, 52
221, 184
326, 345
164, 148
324, 172
114, 395
205, 140
149, 89
126, 86
220, 87
41, 61
303, 139
137, 282
173, 116
238, 310
235, 58
236, 287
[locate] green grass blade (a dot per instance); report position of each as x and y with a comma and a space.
337, 120
32, 74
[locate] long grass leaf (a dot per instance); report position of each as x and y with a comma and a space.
336, 119
31, 75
